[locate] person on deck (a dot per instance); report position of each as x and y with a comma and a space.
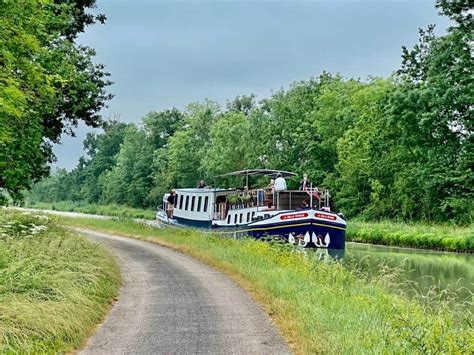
280, 183
269, 205
271, 186
280, 186
305, 204
304, 183
201, 184
171, 201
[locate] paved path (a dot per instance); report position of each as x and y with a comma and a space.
150, 222
173, 304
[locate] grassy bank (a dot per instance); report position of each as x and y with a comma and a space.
320, 307
437, 237
55, 286
105, 210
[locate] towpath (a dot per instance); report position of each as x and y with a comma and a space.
173, 304
150, 222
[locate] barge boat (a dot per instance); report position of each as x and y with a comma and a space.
300, 217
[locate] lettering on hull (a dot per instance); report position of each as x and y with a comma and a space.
325, 216
293, 216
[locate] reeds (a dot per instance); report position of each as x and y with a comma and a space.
54, 286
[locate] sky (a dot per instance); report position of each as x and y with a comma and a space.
168, 53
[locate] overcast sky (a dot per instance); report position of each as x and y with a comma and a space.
165, 54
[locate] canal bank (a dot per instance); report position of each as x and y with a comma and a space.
319, 307
413, 235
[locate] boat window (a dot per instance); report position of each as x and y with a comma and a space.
176, 199
248, 216
206, 200
240, 218
198, 207
192, 202
228, 219
253, 214
187, 203
181, 203
235, 218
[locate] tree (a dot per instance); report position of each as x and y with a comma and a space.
368, 156
244, 104
304, 123
187, 147
433, 109
230, 142
102, 151
160, 126
47, 84
336, 110
130, 180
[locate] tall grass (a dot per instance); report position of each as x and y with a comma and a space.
318, 305
106, 210
437, 237
55, 286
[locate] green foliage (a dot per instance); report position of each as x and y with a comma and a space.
161, 126
129, 181
54, 286
417, 235
232, 198
187, 147
102, 151
229, 144
48, 84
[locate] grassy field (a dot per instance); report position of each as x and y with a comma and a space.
106, 210
55, 286
318, 305
422, 236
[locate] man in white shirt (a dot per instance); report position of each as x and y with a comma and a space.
280, 183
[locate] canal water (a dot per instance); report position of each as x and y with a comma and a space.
444, 271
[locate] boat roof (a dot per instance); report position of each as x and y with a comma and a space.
202, 190
258, 172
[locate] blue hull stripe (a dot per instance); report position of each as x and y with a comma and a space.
283, 229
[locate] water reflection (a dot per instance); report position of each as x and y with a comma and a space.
454, 272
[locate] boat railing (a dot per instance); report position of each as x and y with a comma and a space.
300, 199
266, 200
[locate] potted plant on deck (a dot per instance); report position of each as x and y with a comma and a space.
246, 200
232, 200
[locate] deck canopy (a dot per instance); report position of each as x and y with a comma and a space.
258, 172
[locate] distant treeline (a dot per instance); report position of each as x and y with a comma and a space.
398, 147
